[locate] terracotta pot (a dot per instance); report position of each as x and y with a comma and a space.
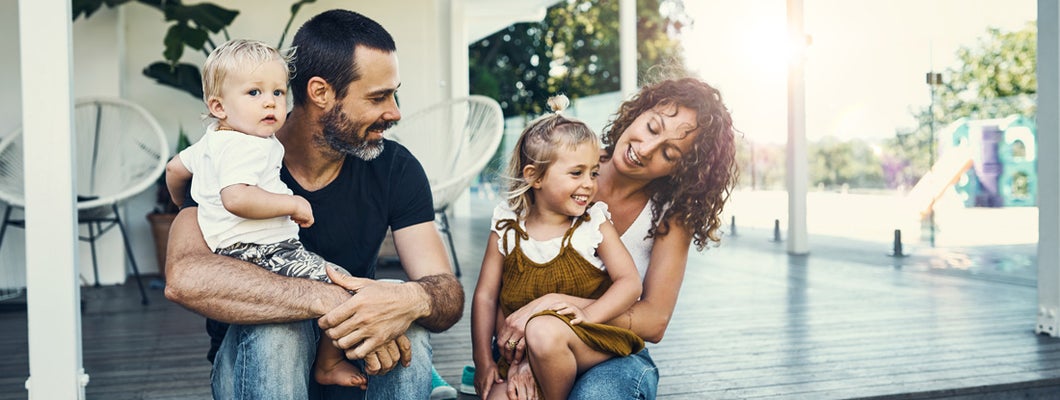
160, 230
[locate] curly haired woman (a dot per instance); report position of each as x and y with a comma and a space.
667, 170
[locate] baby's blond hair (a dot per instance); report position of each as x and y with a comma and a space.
234, 56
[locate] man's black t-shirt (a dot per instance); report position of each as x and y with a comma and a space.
353, 212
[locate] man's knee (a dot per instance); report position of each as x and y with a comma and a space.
265, 361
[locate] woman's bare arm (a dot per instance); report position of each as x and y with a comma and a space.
650, 316
625, 282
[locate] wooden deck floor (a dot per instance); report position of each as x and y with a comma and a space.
751, 322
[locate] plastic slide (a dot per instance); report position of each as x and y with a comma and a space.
946, 171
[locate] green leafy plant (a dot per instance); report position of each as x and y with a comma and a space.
163, 202
190, 26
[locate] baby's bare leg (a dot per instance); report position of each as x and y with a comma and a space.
332, 368
557, 355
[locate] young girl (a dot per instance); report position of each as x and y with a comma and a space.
668, 169
245, 210
548, 237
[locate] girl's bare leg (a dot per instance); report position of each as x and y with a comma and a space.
557, 355
499, 391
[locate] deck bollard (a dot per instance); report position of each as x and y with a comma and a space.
776, 230
897, 251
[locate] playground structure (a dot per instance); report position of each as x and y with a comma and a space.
989, 162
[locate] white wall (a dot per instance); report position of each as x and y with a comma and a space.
113, 47
413, 25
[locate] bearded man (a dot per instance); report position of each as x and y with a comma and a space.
264, 326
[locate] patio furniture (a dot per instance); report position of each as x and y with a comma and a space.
121, 151
454, 140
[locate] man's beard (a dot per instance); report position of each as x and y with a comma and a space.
340, 133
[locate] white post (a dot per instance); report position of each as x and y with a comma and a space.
797, 165
1048, 168
53, 295
455, 27
458, 78
627, 36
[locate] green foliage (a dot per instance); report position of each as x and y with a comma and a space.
852, 163
163, 202
574, 50
761, 165
191, 27
994, 78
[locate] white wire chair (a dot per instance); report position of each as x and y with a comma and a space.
454, 140
121, 151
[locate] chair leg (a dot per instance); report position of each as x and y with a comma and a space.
132, 260
92, 246
3, 228
452, 248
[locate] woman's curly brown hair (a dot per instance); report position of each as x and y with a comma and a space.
694, 194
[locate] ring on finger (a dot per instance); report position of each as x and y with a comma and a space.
512, 343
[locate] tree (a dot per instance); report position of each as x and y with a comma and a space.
994, 78
574, 50
851, 163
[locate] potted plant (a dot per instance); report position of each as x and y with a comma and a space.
161, 217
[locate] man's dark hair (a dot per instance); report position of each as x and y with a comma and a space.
325, 45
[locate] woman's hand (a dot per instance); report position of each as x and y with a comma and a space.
521, 383
485, 376
510, 330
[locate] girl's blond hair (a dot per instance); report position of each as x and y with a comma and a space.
235, 56
537, 146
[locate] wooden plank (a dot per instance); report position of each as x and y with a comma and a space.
751, 322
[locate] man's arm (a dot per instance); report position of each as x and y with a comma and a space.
426, 262
230, 290
381, 310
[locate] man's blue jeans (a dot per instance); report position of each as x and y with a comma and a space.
275, 361
633, 377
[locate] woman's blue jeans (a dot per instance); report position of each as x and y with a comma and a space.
633, 377
275, 361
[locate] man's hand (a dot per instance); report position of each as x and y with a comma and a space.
386, 357
378, 313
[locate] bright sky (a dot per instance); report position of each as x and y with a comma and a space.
864, 69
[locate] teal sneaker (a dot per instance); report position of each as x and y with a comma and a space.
467, 380
440, 389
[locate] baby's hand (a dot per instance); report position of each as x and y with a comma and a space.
303, 212
574, 312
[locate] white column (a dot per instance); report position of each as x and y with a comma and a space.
1048, 168
797, 166
459, 80
627, 35
53, 295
